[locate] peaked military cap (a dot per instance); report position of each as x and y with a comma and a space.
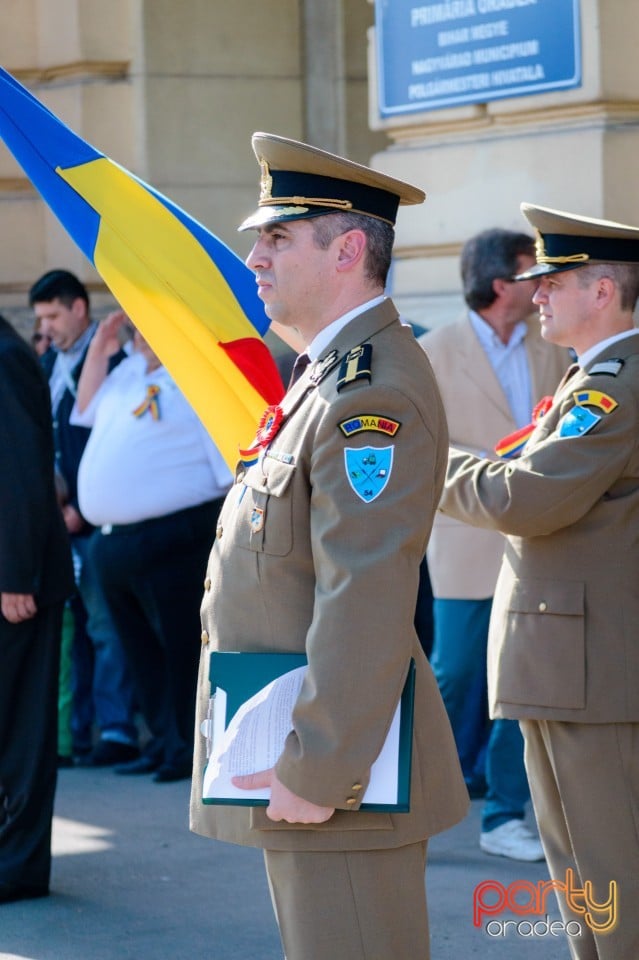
566, 241
300, 181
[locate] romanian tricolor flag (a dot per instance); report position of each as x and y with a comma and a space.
510, 447
190, 296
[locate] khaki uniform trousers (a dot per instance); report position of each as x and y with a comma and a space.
351, 905
584, 782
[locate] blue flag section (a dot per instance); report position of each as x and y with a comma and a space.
191, 297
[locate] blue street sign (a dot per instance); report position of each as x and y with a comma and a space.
434, 55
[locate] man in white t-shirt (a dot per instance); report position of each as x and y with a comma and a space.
151, 480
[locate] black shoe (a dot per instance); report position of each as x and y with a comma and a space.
141, 765
109, 752
9, 892
168, 772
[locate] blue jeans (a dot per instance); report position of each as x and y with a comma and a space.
102, 682
495, 749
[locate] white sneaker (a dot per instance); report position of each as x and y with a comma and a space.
512, 839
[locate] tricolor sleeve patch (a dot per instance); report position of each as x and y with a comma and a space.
364, 422
595, 398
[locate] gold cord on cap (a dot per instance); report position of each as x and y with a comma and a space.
542, 257
306, 201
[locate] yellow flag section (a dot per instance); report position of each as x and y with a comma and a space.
176, 297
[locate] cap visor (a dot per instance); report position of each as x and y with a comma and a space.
281, 214
543, 269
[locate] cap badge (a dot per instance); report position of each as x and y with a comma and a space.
266, 182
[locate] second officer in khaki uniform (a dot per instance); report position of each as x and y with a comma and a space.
563, 654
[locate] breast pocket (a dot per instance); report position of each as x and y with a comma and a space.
264, 518
543, 660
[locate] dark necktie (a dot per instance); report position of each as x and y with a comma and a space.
300, 365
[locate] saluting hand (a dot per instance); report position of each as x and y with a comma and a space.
284, 804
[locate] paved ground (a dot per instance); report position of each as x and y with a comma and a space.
131, 883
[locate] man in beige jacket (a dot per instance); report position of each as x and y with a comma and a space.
317, 551
563, 649
492, 366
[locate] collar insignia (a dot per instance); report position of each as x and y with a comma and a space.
323, 366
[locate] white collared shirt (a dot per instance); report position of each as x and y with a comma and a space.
510, 364
319, 343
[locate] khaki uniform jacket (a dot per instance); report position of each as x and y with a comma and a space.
330, 575
563, 641
464, 561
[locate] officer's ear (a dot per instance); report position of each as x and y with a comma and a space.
605, 292
351, 249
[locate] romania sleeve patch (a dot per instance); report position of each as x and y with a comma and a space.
595, 398
364, 422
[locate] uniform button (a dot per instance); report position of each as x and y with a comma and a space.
356, 787
205, 637
207, 584
264, 481
543, 606
351, 800
219, 531
240, 476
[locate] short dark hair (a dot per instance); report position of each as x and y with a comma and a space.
58, 285
625, 276
486, 257
380, 236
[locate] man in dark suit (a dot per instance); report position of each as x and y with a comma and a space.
102, 684
35, 578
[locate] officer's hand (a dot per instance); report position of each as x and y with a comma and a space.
284, 804
17, 607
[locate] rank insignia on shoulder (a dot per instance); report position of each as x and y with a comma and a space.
369, 421
356, 365
368, 470
611, 367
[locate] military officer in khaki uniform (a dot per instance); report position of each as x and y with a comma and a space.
318, 550
563, 647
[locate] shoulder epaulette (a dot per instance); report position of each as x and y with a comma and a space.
356, 365
611, 367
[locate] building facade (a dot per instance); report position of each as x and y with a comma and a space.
173, 89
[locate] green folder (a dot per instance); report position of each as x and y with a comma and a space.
242, 675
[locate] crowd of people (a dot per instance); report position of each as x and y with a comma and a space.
322, 544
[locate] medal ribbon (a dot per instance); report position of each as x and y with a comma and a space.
150, 402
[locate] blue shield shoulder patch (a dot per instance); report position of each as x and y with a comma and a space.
368, 470
577, 422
